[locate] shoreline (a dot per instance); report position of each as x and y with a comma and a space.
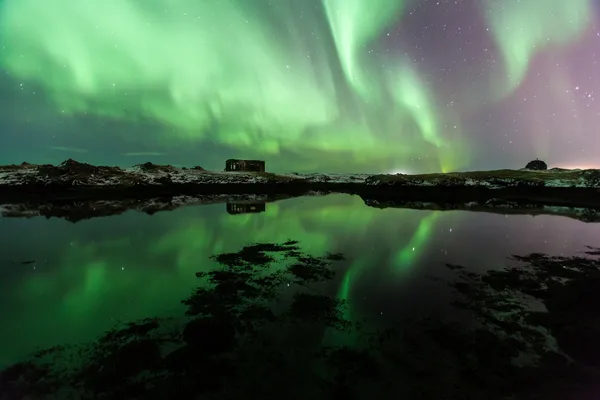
79, 210
73, 185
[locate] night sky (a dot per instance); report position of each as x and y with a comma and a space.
307, 85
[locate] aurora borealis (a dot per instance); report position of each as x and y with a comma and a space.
90, 275
313, 85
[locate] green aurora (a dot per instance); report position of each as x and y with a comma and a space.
300, 79
308, 78
522, 29
238, 72
83, 279
89, 276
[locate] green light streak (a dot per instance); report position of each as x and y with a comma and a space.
406, 258
523, 29
414, 100
410, 96
86, 286
243, 74
354, 24
352, 274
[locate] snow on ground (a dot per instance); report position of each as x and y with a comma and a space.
17, 177
160, 175
179, 175
571, 179
330, 177
473, 182
135, 175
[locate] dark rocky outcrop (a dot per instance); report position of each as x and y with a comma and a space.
36, 186
150, 167
249, 318
537, 165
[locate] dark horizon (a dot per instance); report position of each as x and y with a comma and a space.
308, 87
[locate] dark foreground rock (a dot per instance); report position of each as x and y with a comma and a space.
498, 179
536, 165
246, 336
80, 210
74, 181
495, 206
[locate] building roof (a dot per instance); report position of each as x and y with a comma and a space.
237, 159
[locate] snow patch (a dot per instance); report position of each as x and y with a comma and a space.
17, 177
330, 177
190, 176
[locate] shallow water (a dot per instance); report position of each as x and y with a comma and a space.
67, 283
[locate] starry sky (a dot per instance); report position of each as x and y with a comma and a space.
82, 280
314, 85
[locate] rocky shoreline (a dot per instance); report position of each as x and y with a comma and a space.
75, 211
76, 190
526, 330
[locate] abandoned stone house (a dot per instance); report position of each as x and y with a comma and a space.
246, 207
245, 165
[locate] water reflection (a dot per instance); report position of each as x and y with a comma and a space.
90, 275
246, 207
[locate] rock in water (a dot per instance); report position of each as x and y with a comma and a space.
537, 165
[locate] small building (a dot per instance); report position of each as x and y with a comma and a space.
245, 165
246, 207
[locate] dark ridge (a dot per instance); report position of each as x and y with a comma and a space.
72, 189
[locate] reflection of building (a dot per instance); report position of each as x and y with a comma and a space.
244, 207
245, 165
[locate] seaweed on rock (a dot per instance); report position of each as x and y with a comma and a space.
243, 324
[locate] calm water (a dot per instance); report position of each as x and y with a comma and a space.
81, 279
